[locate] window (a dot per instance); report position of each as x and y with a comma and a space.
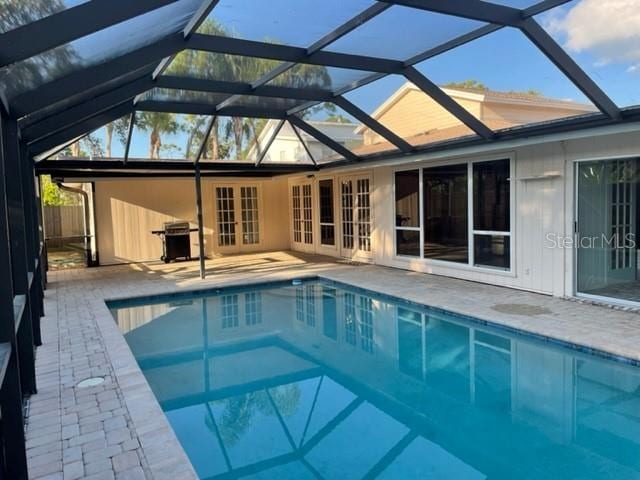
347, 214
491, 214
297, 221
407, 194
307, 214
446, 201
327, 226
451, 213
364, 215
250, 221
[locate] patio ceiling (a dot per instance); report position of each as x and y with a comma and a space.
75, 66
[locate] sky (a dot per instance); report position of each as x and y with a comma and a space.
602, 36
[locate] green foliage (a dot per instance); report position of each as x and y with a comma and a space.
157, 124
337, 118
53, 196
477, 85
467, 85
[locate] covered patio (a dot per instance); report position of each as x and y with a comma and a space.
204, 91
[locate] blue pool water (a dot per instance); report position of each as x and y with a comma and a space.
321, 380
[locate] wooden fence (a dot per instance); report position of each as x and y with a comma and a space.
63, 221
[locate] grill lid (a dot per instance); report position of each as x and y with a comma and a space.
176, 228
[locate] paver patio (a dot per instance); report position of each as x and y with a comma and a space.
117, 429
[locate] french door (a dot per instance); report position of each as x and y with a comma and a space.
356, 216
238, 218
302, 216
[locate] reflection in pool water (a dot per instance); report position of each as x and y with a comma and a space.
321, 380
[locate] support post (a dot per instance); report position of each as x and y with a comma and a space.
18, 241
199, 215
198, 180
12, 434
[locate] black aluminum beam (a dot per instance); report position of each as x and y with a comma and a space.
304, 144
373, 124
573, 124
83, 174
322, 138
84, 95
453, 43
85, 110
127, 147
199, 17
542, 6
80, 129
195, 22
69, 85
473, 10
569, 67
167, 165
204, 109
285, 53
205, 139
237, 88
68, 25
269, 143
448, 103
339, 32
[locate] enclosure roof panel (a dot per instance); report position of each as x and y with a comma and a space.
72, 67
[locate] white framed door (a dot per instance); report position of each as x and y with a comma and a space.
302, 216
238, 217
356, 216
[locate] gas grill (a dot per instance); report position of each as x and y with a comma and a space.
176, 242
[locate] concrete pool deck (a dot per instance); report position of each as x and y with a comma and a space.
117, 430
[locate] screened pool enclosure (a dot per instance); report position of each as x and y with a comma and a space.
114, 88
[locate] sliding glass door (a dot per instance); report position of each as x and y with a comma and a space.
607, 222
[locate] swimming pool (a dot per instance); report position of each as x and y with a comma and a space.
323, 380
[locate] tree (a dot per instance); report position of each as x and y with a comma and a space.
337, 118
53, 196
157, 124
235, 136
467, 85
120, 127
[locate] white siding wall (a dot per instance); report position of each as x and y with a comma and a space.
541, 206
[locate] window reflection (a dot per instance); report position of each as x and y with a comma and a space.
330, 313
253, 308
229, 311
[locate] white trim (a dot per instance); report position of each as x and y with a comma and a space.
490, 149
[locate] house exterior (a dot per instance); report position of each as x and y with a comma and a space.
287, 148
504, 214
419, 119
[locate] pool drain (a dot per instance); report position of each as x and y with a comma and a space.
90, 382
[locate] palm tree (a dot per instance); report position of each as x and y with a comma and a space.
120, 127
157, 124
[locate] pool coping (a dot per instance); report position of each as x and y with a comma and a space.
531, 334
154, 431
164, 454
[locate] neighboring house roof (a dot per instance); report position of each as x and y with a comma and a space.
338, 131
432, 136
485, 96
